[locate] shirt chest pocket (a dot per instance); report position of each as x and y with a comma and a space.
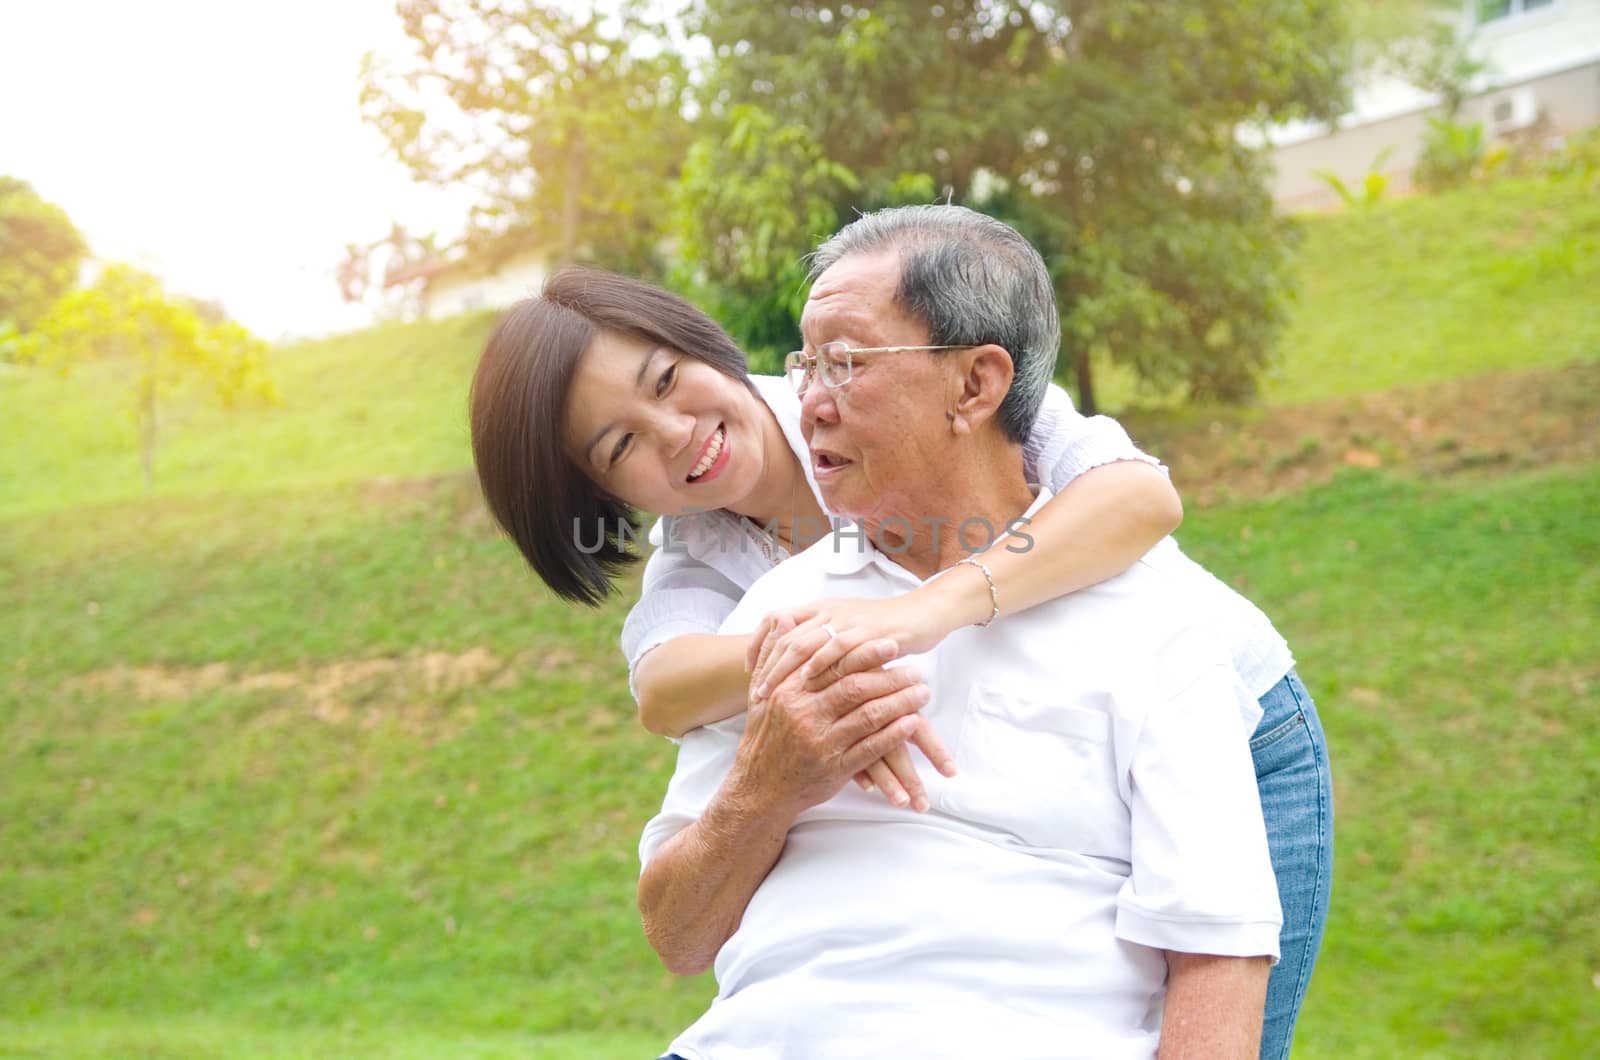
1042, 769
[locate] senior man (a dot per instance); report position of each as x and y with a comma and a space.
1095, 880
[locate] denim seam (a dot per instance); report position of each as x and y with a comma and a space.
1323, 812
1284, 729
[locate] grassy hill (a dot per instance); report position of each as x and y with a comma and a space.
344, 781
299, 761
1491, 277
1414, 291
388, 402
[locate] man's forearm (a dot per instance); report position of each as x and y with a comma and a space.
1214, 1006
693, 893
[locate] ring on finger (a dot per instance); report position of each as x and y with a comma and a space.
831, 631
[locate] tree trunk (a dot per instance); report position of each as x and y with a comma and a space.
1085, 373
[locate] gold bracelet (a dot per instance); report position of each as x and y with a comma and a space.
994, 590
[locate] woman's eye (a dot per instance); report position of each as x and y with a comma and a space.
618, 450
664, 384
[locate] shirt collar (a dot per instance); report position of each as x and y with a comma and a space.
850, 550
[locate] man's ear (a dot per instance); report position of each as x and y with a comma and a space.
985, 379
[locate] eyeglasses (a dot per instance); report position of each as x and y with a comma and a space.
833, 360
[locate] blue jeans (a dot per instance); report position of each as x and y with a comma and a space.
1297, 800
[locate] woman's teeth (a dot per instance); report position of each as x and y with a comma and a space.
712, 452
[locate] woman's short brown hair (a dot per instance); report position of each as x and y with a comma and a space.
518, 410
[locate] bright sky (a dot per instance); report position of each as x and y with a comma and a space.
214, 142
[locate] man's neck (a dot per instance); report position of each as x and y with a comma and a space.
973, 503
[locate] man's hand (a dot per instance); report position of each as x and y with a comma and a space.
783, 645
804, 739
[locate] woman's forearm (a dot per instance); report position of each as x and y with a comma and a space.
691, 681
1095, 528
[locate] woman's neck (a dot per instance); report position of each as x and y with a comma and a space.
782, 497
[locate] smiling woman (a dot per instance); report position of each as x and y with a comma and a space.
585, 401
666, 430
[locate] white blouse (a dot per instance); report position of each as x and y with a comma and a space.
693, 586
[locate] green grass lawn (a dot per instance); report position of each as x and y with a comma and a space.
1489, 277
323, 773
98, 1035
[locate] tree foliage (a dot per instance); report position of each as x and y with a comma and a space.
40, 251
164, 345
1106, 131
568, 128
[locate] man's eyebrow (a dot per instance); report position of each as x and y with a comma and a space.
638, 381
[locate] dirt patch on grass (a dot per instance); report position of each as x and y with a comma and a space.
1492, 422
414, 691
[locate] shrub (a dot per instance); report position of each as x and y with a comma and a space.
1451, 154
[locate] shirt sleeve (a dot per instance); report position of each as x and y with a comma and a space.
704, 757
706, 754
680, 595
1064, 443
1201, 879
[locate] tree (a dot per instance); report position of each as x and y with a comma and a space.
1107, 131
40, 251
748, 195
567, 127
166, 343
1423, 42
374, 274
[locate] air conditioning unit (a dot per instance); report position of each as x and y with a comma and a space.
1513, 112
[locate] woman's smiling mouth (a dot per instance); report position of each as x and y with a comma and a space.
713, 456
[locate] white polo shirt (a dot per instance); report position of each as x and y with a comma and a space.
1105, 810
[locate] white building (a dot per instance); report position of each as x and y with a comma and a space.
449, 287
1542, 80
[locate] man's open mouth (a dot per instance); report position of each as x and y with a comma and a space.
825, 461
711, 455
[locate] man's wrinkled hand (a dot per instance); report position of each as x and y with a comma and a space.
822, 655
800, 746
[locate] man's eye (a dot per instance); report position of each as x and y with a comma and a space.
664, 384
618, 450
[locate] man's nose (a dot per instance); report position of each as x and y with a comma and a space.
817, 407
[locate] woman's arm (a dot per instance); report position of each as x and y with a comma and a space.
682, 673
1095, 528
1113, 503
691, 681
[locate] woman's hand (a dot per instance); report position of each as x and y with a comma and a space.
916, 621
834, 637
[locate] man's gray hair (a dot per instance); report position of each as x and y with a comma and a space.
972, 280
